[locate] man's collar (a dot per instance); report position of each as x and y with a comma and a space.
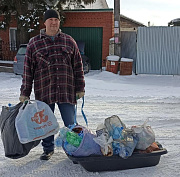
43, 33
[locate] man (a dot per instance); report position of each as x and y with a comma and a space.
54, 65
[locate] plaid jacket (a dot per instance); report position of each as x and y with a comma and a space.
55, 68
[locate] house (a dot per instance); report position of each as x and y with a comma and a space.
95, 26
128, 24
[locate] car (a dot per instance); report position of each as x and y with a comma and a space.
18, 64
175, 22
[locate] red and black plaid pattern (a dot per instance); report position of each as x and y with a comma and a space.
54, 67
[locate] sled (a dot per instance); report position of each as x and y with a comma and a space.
115, 162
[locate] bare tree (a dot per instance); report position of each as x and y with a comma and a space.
28, 13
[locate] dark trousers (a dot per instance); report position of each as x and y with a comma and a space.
67, 113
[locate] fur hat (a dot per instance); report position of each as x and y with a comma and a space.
51, 13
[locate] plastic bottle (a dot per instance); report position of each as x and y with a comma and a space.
117, 132
123, 153
69, 148
10, 106
73, 139
58, 141
61, 137
116, 147
62, 132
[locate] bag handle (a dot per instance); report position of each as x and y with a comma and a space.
75, 115
29, 102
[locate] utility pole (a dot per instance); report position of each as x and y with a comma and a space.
117, 32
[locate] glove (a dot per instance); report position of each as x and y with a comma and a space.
23, 98
79, 95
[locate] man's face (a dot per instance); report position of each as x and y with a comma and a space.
52, 25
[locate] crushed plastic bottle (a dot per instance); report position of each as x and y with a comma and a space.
120, 149
61, 136
116, 147
63, 132
73, 139
69, 148
117, 132
58, 141
123, 152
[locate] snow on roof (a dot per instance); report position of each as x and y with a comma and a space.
99, 4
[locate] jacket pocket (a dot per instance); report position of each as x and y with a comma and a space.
66, 55
42, 59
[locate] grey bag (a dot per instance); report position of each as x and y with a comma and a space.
12, 147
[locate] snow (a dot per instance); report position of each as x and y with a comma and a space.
133, 98
126, 59
112, 58
9, 62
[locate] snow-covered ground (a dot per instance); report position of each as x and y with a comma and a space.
133, 98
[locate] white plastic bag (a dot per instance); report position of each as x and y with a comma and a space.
145, 134
35, 121
106, 144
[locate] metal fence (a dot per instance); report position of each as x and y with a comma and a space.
128, 46
158, 50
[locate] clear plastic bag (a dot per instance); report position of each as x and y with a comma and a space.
105, 143
111, 122
145, 134
125, 145
124, 139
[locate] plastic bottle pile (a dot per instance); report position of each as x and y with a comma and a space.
70, 139
116, 139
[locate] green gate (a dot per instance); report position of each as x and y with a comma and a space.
92, 36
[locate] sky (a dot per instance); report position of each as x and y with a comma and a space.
132, 98
157, 12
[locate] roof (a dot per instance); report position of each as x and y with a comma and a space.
130, 19
89, 10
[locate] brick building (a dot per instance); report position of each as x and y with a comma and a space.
94, 26
128, 23
7, 49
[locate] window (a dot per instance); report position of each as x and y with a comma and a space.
12, 39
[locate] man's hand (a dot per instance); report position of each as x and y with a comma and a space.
79, 95
23, 98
